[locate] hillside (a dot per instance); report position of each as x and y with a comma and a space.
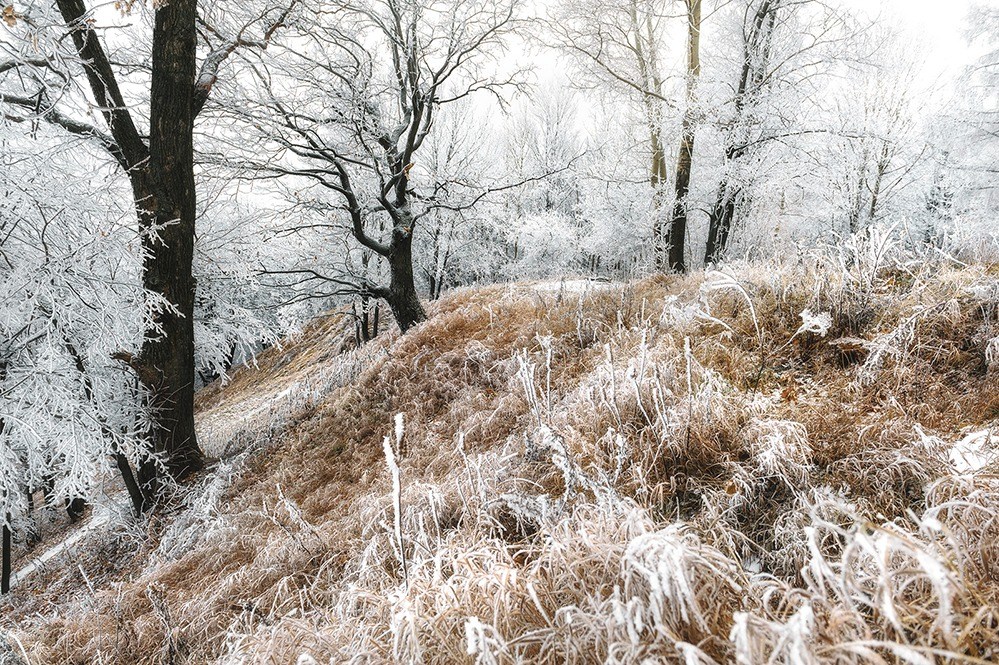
775, 463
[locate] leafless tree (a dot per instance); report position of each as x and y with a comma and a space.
346, 98
622, 44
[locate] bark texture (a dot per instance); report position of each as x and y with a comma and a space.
167, 358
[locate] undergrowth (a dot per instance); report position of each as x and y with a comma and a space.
754, 465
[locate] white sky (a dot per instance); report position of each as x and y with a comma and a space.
940, 23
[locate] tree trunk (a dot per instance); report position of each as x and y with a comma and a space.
167, 358
720, 224
661, 223
5, 556
677, 232
401, 295
128, 477
34, 532
124, 466
75, 508
755, 64
648, 67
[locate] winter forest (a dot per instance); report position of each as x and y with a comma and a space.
493, 331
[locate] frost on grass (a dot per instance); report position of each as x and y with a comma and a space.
687, 473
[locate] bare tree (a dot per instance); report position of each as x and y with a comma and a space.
758, 38
878, 151
621, 44
787, 51
346, 100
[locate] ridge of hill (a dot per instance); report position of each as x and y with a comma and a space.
771, 463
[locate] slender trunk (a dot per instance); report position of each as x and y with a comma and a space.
401, 295
167, 358
677, 231
755, 66
432, 285
357, 325
660, 211
34, 533
364, 320
124, 466
5, 564
720, 221
648, 68
879, 174
128, 477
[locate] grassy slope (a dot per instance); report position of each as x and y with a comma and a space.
668, 469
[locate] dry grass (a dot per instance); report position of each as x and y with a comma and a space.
673, 470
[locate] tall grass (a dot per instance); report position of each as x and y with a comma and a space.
693, 470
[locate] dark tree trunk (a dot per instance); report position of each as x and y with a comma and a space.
365, 319
75, 508
128, 477
124, 466
5, 556
720, 221
129, 149
401, 295
48, 488
676, 233
365, 323
755, 63
167, 359
163, 188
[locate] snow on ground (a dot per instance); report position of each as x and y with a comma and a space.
99, 518
975, 451
581, 286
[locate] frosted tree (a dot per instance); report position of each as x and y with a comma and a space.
70, 297
972, 139
459, 244
345, 98
879, 148
778, 58
59, 70
623, 46
545, 223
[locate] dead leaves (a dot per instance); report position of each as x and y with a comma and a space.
9, 16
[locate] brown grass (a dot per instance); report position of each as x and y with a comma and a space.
666, 470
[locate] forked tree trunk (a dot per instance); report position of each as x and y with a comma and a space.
162, 178
755, 63
720, 221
